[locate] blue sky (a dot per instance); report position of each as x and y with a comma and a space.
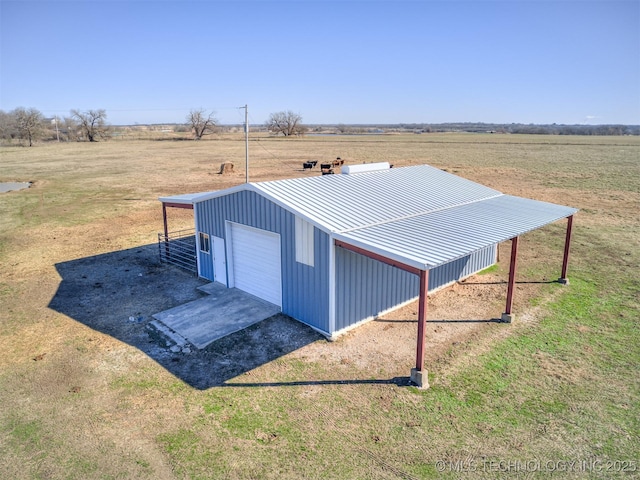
331, 61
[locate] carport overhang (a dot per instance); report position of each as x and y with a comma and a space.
185, 201
422, 242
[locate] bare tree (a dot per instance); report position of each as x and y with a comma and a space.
92, 123
287, 123
8, 125
201, 123
28, 123
69, 129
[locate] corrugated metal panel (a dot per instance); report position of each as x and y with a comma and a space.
205, 260
429, 240
462, 267
305, 289
205, 265
344, 202
366, 287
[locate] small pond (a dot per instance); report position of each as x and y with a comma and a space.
10, 186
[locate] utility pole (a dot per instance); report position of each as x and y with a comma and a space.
246, 142
55, 119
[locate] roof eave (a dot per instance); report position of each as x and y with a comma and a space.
383, 252
192, 199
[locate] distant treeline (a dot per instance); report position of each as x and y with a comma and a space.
28, 125
553, 129
471, 127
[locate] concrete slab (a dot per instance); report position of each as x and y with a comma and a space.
223, 312
178, 339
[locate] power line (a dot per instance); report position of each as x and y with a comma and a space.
258, 142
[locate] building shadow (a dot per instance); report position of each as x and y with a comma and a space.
488, 320
504, 282
118, 292
397, 381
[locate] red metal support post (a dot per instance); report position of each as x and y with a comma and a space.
567, 244
418, 374
164, 219
422, 318
507, 316
166, 229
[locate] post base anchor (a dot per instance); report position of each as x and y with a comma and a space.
507, 318
419, 378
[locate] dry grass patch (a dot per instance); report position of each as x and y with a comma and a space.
86, 395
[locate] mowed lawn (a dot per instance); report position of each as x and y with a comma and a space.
555, 394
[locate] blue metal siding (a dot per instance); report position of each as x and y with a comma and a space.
205, 265
305, 290
462, 267
205, 260
365, 287
481, 259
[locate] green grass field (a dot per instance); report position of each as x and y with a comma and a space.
557, 396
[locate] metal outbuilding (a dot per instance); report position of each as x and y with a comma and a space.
337, 250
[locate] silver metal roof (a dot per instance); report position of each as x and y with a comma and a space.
418, 215
185, 199
347, 202
428, 240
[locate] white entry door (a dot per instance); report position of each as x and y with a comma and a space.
256, 263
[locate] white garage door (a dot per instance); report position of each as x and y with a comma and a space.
256, 262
